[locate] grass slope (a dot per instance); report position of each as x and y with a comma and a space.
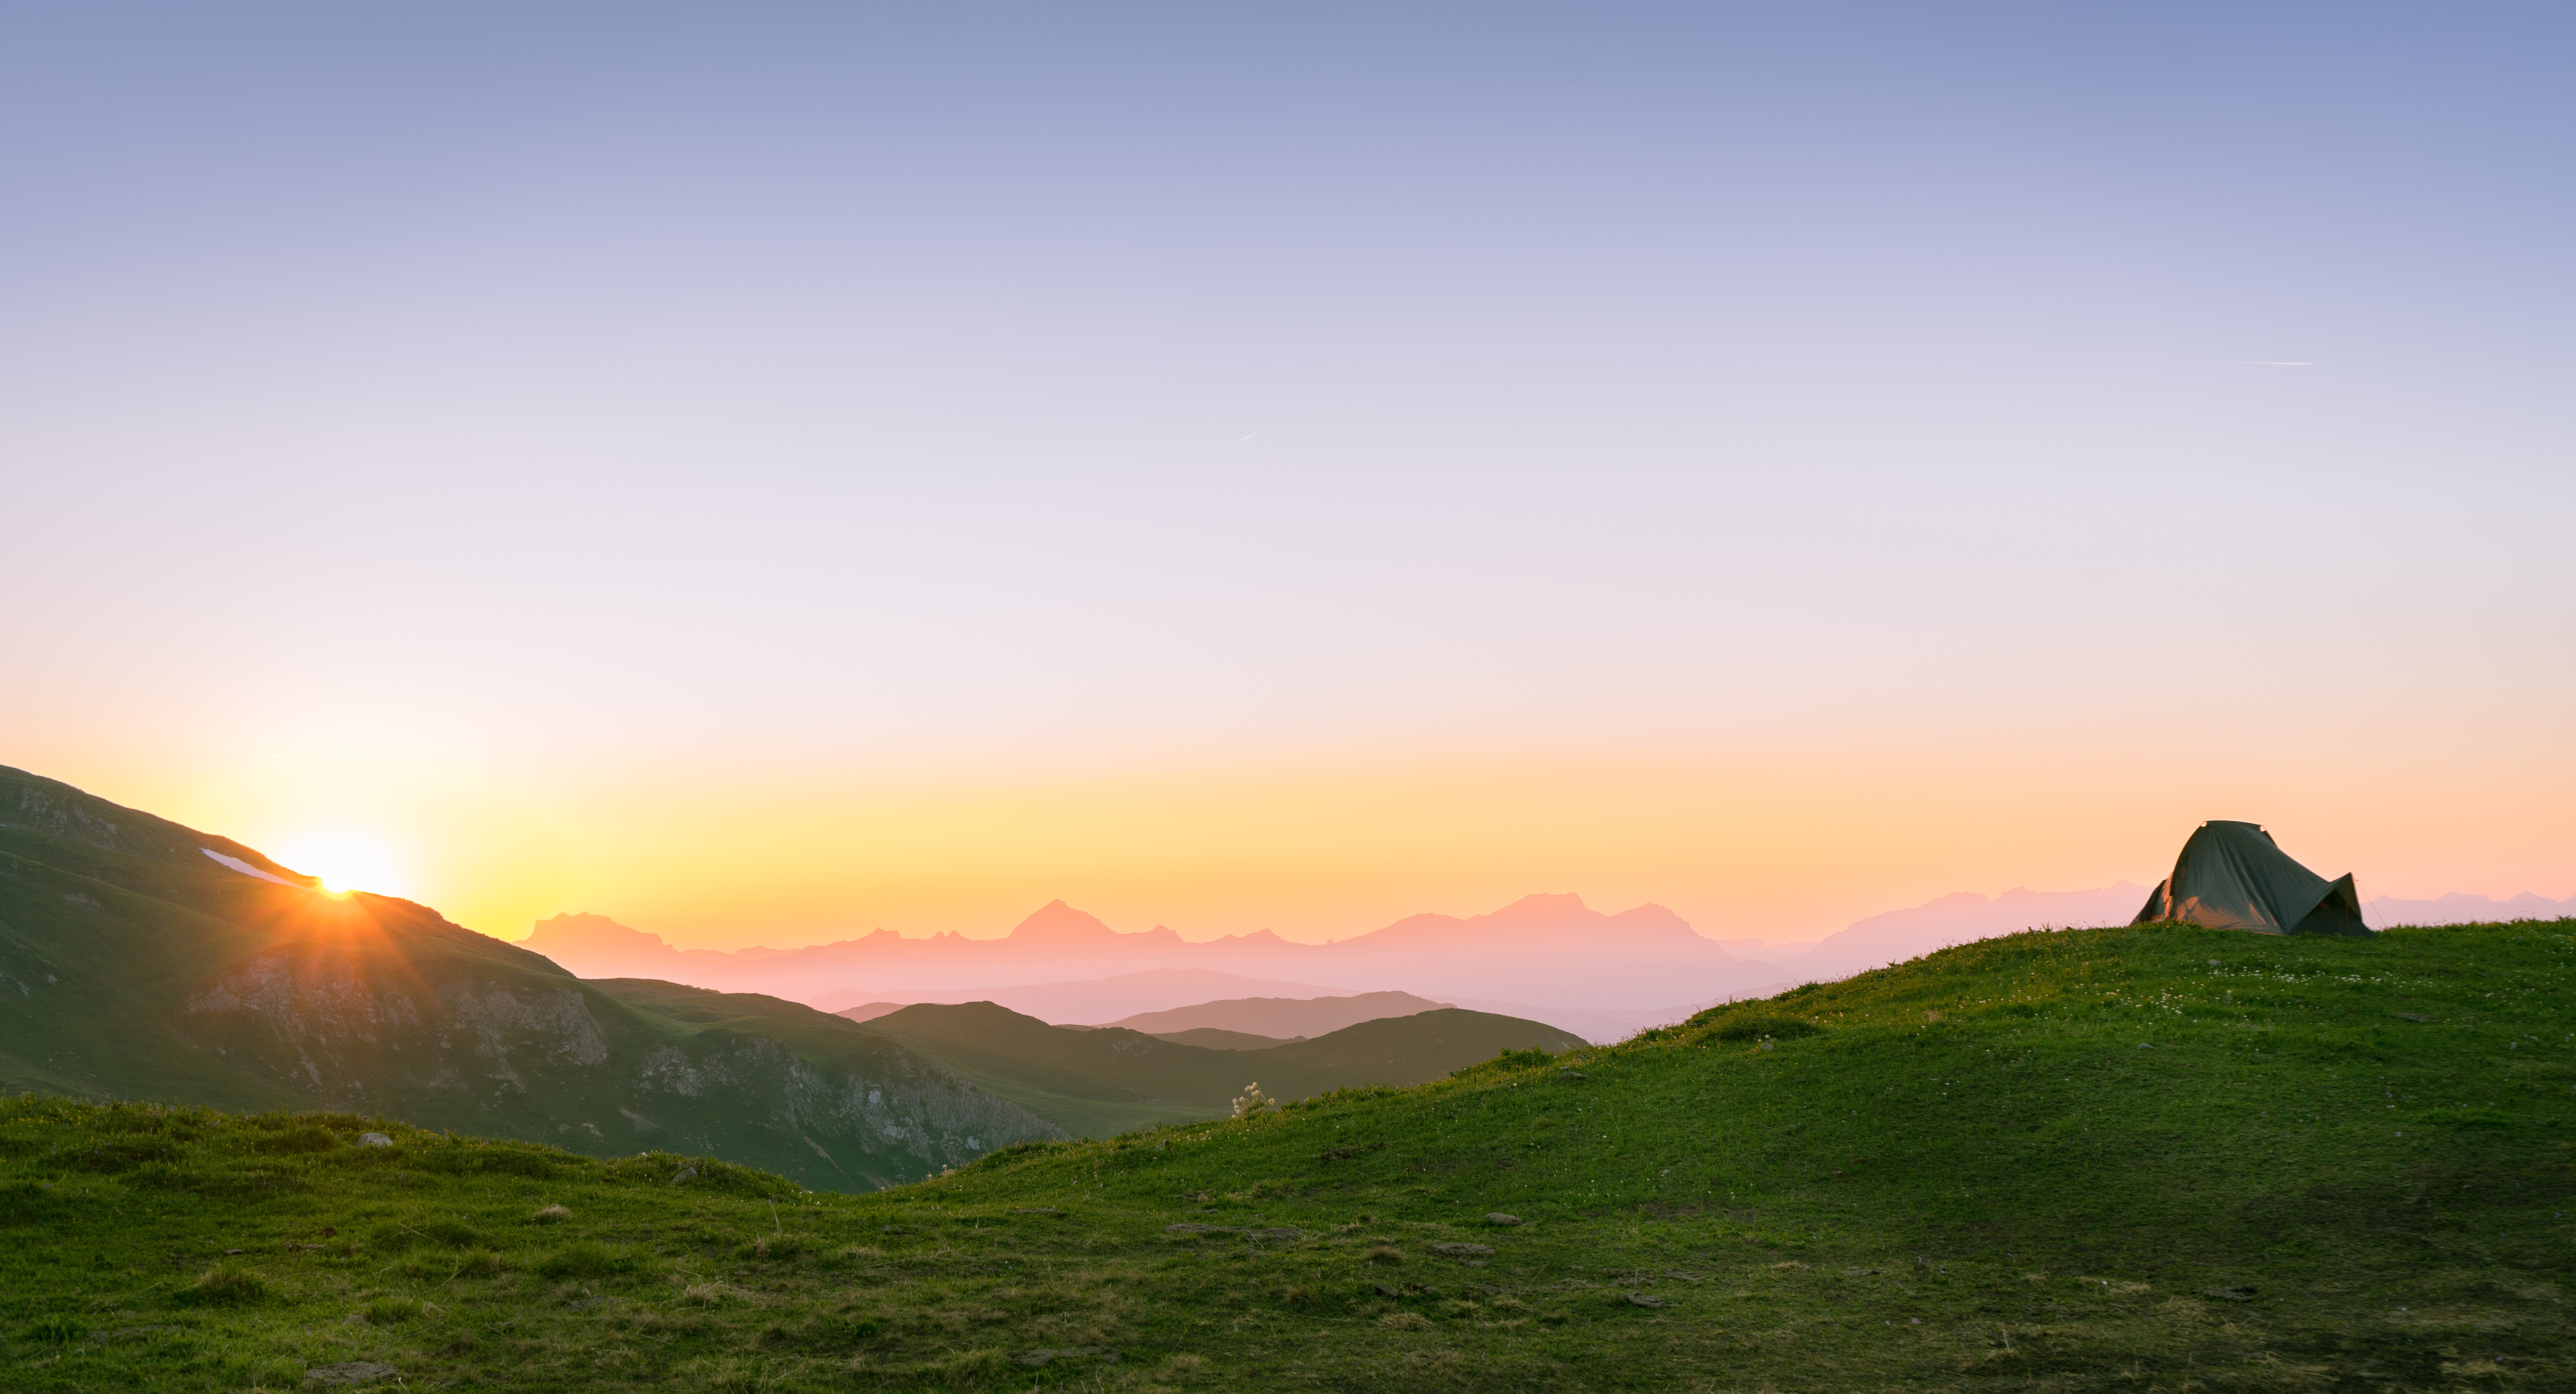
1101, 1081
2153, 1158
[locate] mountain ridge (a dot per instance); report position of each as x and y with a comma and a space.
143, 969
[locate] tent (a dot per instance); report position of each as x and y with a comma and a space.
2234, 876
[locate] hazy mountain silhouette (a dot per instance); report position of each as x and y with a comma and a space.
2455, 908
607, 949
1546, 948
1547, 958
1898, 935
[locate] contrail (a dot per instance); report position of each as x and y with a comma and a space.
1247, 437
2267, 363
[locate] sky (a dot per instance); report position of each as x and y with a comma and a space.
772, 472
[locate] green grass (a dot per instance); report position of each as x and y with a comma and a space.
2155, 1158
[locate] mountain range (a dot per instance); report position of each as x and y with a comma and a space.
1550, 949
1545, 957
1549, 958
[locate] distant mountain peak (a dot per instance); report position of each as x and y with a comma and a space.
1543, 903
587, 930
1058, 923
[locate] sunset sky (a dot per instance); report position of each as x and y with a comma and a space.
766, 473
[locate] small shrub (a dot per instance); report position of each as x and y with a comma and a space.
1383, 1253
225, 1285
513, 1161
483, 1265
449, 1233
28, 1203
584, 1261
1405, 1321
976, 1364
112, 1157
1778, 1028
724, 1376
252, 1184
305, 1139
55, 1330
1000, 1157
393, 1311
165, 1176
551, 1215
445, 1161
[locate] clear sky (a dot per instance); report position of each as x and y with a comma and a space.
769, 472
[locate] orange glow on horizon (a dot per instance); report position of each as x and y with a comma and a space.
1788, 845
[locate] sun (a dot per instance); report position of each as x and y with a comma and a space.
345, 862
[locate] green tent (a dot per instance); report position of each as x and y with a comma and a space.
2234, 876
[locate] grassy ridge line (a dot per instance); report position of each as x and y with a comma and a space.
2155, 1157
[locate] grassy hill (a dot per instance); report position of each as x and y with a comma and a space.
2153, 1158
134, 965
1100, 1081
1214, 1039
1285, 1018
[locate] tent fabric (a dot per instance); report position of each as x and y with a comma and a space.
2234, 876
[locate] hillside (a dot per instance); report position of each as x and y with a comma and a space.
1215, 1039
1084, 1001
1283, 1017
1104, 1080
137, 965
2126, 1159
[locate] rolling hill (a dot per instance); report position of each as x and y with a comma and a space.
2144, 1158
143, 960
1108, 1080
1283, 1017
1215, 1039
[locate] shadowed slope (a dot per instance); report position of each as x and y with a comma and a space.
142, 968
